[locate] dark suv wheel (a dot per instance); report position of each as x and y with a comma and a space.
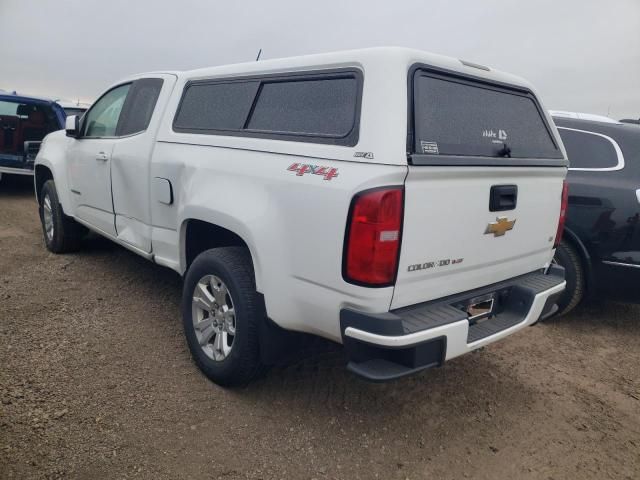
567, 257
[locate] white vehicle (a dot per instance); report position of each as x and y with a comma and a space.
404, 204
74, 108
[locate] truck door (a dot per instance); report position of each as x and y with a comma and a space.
89, 162
131, 158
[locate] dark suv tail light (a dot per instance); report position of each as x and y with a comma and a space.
563, 213
372, 242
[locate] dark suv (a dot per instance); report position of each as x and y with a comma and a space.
601, 246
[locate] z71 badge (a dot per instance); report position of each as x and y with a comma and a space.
301, 168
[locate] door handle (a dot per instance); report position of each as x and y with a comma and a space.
503, 197
103, 157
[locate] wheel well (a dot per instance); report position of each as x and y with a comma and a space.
201, 236
42, 175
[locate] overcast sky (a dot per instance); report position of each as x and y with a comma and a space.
583, 55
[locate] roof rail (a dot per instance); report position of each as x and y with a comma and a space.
582, 116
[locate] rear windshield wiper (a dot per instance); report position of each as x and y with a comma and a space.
505, 151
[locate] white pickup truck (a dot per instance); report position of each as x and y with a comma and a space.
404, 204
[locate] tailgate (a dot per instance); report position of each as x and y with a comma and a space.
452, 242
484, 187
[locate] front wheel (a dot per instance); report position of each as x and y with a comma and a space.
62, 234
221, 312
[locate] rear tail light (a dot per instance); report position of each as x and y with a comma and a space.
372, 242
563, 213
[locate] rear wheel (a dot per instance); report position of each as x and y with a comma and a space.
61, 233
221, 313
567, 257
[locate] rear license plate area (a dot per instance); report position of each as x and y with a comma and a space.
483, 307
480, 309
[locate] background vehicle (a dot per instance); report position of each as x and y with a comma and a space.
24, 122
601, 246
284, 193
581, 116
73, 108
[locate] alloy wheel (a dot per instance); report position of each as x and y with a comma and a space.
213, 316
47, 215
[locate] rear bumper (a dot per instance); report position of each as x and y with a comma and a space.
390, 345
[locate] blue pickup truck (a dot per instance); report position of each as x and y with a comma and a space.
24, 122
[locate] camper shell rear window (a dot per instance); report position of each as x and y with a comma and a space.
455, 116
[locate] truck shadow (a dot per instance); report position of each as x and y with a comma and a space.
601, 315
320, 388
121, 262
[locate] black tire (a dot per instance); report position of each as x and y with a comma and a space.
233, 266
567, 257
67, 233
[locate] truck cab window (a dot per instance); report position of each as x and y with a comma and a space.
139, 106
102, 119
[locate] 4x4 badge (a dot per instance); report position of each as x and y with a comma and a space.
501, 226
301, 168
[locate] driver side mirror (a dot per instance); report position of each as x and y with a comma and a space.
72, 126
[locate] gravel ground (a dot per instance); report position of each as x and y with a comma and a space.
96, 382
